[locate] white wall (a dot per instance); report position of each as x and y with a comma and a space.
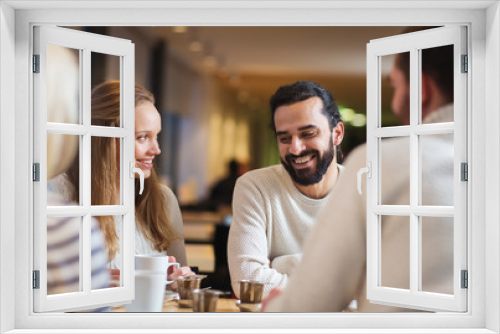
7, 163
214, 127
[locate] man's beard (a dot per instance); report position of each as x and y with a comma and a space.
307, 176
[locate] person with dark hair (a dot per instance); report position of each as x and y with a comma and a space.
221, 194
336, 246
275, 207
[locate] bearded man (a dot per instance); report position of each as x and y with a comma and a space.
275, 207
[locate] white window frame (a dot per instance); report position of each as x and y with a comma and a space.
483, 294
414, 43
85, 43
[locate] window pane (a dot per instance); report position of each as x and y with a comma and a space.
105, 178
437, 254
438, 64
395, 252
62, 97
391, 149
104, 225
105, 99
63, 155
437, 154
63, 254
394, 102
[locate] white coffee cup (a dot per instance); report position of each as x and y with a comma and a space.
150, 283
154, 263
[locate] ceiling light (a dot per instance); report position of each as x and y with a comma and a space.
209, 61
195, 46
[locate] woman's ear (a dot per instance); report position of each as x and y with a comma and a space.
338, 133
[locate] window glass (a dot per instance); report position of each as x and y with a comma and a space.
110, 226
390, 78
442, 58
54, 87
105, 179
395, 253
437, 238
59, 182
396, 152
105, 68
437, 172
64, 262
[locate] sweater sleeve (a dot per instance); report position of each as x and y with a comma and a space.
332, 269
247, 244
177, 247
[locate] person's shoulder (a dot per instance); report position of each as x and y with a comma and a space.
265, 174
167, 191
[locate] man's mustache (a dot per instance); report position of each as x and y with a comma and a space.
289, 157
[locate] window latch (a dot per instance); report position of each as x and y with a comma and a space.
139, 171
368, 171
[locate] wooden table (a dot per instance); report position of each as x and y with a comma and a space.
171, 305
223, 305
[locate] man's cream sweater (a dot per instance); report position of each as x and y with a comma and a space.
271, 220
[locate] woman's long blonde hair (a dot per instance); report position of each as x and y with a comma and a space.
150, 207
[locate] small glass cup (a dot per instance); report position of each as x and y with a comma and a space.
185, 287
251, 291
205, 300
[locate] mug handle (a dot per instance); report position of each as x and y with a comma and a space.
177, 267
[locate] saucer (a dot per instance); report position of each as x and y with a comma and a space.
247, 307
185, 303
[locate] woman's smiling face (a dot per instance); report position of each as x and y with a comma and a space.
147, 128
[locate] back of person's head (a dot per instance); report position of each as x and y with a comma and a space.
62, 107
301, 91
234, 167
437, 63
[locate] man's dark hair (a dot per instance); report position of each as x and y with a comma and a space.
301, 91
436, 63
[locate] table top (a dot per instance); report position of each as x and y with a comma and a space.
223, 305
172, 305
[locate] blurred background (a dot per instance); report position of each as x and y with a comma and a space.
212, 86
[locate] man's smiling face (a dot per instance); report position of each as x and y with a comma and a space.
305, 140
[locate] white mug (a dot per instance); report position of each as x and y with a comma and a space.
150, 283
155, 263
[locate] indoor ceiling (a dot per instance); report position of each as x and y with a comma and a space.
257, 60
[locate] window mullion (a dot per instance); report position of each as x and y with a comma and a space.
85, 168
415, 268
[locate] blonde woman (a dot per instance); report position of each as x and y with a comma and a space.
159, 226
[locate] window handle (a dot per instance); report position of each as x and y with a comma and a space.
368, 171
139, 171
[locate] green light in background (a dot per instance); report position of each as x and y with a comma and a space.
358, 120
350, 116
347, 114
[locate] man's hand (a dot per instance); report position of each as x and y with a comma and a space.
272, 294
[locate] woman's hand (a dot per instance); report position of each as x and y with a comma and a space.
272, 294
173, 274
